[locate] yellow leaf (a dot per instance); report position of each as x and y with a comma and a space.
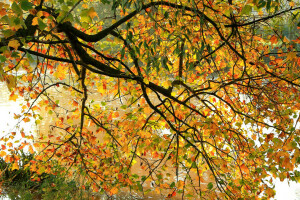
147, 110
14, 44
60, 72
2, 153
15, 166
35, 21
157, 190
10, 82
180, 184
13, 97
31, 150
291, 55
146, 81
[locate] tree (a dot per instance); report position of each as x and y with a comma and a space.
200, 98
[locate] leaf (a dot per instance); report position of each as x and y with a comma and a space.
11, 82
41, 24
113, 191
13, 97
292, 4
2, 58
246, 10
25, 5
2, 153
30, 149
291, 55
2, 74
210, 185
244, 169
15, 166
92, 13
180, 184
8, 33
105, 1
273, 39
14, 44
35, 21
16, 8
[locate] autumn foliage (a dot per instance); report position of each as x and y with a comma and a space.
185, 99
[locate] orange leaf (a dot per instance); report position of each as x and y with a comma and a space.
31, 150
113, 191
244, 169
180, 184
273, 39
26, 119
92, 13
35, 21
172, 194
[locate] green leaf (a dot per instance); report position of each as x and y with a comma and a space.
194, 165
16, 8
164, 63
140, 186
189, 195
15, 54
159, 176
2, 59
2, 74
124, 106
246, 10
269, 4
210, 186
30, 58
135, 176
166, 14
172, 185
25, 5
259, 170
144, 178
261, 4
42, 25
105, 1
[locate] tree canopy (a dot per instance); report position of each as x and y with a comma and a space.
189, 99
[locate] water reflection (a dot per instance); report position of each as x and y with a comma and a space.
8, 109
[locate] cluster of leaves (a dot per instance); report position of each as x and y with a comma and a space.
22, 183
186, 98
